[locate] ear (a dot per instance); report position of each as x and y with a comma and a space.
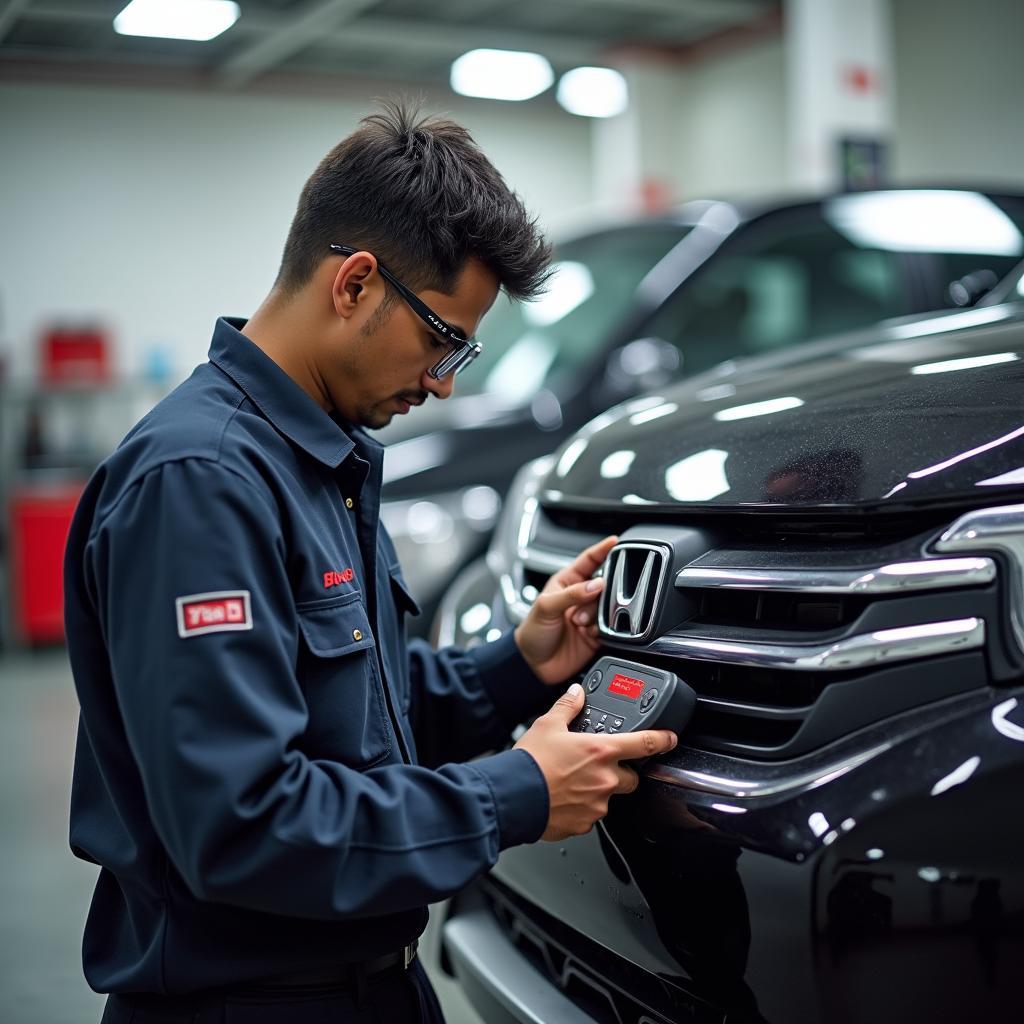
355, 284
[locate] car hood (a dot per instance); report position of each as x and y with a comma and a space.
920, 410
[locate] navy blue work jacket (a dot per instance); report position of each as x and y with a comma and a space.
269, 777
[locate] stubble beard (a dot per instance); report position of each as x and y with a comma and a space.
374, 418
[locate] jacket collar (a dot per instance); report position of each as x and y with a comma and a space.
291, 411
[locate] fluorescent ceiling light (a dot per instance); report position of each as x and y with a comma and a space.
972, 363
617, 464
699, 477
501, 74
593, 92
177, 19
474, 619
929, 220
569, 286
570, 455
653, 414
1012, 436
742, 412
957, 777
1015, 476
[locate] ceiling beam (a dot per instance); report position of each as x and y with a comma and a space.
294, 36
712, 10
445, 40
9, 14
30, 63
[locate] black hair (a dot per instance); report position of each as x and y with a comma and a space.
420, 195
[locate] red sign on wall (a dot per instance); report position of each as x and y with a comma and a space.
75, 356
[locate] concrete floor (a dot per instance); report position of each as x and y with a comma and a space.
44, 890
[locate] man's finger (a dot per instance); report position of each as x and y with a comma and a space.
552, 604
628, 780
588, 561
567, 707
632, 745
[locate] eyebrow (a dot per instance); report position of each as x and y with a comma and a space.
451, 323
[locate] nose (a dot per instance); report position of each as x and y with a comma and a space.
438, 388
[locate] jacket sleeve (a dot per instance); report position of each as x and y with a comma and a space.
467, 702
214, 720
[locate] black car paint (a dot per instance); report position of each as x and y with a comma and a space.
486, 442
888, 889
755, 914
883, 436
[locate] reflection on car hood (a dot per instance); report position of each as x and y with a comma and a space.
920, 410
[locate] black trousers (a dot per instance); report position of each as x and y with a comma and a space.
390, 997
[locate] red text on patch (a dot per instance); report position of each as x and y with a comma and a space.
335, 579
216, 612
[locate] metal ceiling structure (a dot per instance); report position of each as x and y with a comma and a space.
410, 41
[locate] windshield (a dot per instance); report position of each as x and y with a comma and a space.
531, 345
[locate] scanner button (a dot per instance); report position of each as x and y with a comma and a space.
648, 700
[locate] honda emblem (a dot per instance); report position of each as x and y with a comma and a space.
635, 573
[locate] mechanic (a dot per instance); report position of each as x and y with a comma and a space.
273, 782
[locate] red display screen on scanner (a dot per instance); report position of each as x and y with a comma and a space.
626, 686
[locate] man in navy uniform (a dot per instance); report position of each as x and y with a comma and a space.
273, 782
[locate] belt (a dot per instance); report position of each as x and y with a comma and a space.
338, 977
343, 973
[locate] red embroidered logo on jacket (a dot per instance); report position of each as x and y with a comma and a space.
335, 579
221, 611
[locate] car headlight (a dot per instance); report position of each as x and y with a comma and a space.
511, 540
436, 534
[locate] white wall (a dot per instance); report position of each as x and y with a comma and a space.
958, 83
732, 118
155, 211
959, 91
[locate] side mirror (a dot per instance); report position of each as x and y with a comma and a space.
966, 291
642, 364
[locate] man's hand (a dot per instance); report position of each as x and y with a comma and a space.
559, 637
582, 770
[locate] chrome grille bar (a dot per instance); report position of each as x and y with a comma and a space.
925, 574
796, 781
995, 529
856, 652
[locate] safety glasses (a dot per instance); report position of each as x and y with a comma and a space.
462, 351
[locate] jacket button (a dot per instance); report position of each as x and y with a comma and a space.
349, 503
357, 634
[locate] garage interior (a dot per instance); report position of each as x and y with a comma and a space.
147, 184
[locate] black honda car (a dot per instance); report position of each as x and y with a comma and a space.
637, 305
838, 534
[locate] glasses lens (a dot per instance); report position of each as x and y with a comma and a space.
456, 361
472, 351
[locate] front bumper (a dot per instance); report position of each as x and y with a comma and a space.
890, 891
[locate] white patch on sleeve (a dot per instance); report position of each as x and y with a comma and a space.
221, 611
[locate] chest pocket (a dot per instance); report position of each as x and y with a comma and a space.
404, 604
401, 593
338, 671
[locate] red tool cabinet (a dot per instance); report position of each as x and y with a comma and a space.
40, 516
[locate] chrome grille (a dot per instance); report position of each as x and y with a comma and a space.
791, 649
